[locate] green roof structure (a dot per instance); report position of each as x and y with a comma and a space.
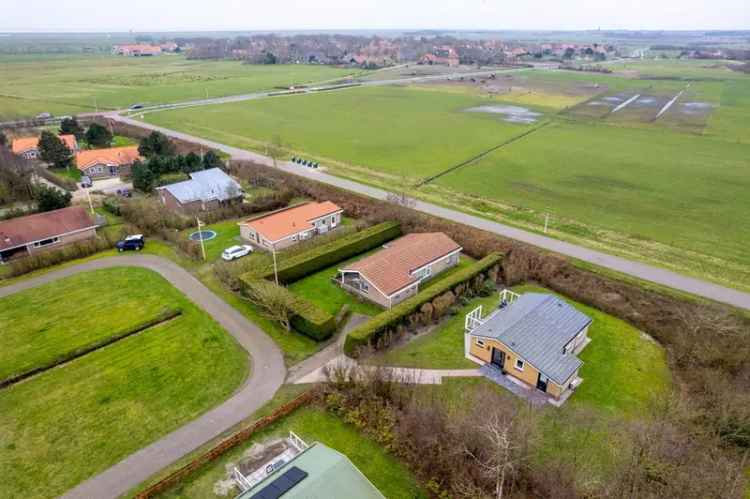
328, 474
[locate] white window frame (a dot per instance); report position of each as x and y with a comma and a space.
53, 240
479, 342
522, 365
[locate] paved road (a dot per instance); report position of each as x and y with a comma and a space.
636, 269
268, 373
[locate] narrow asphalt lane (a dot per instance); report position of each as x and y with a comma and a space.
267, 375
640, 270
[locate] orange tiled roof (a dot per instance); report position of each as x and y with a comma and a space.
390, 269
285, 223
24, 144
114, 156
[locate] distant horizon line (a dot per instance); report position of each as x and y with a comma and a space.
339, 30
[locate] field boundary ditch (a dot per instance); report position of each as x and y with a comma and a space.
483, 154
163, 317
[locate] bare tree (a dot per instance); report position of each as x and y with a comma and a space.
274, 301
498, 463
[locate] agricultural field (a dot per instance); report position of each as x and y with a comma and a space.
663, 187
70, 84
68, 423
393, 130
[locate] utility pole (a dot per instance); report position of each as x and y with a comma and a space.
275, 268
88, 195
96, 105
200, 236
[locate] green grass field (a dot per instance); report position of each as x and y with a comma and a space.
69, 84
67, 424
649, 185
669, 191
313, 424
395, 130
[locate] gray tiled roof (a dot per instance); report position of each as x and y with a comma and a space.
537, 326
206, 185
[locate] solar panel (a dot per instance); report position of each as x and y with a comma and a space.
281, 485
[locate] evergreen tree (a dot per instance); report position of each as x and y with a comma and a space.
70, 126
143, 178
212, 160
98, 136
51, 198
54, 151
156, 144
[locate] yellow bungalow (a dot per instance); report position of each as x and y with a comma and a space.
533, 337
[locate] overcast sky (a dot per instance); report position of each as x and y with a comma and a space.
172, 15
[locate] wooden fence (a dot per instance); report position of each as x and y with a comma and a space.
225, 445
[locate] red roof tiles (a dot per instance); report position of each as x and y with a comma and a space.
390, 269
40, 226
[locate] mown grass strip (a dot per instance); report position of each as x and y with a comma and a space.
163, 317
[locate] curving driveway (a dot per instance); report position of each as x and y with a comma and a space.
267, 375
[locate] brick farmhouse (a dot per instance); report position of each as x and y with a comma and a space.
32, 234
395, 273
28, 147
206, 190
288, 226
104, 163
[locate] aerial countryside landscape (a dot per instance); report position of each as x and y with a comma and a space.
375, 250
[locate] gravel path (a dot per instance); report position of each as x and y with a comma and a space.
268, 373
640, 270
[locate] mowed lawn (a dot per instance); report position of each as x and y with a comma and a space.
314, 424
69, 423
68, 84
41, 325
677, 189
413, 132
623, 369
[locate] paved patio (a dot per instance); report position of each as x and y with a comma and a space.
534, 396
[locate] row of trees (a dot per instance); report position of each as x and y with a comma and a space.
162, 159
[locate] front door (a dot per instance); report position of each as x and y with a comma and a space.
498, 358
541, 382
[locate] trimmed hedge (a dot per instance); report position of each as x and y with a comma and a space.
312, 320
306, 318
370, 331
325, 255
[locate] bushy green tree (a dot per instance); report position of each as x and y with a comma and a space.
191, 163
143, 178
70, 126
54, 151
98, 136
156, 144
212, 160
51, 198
